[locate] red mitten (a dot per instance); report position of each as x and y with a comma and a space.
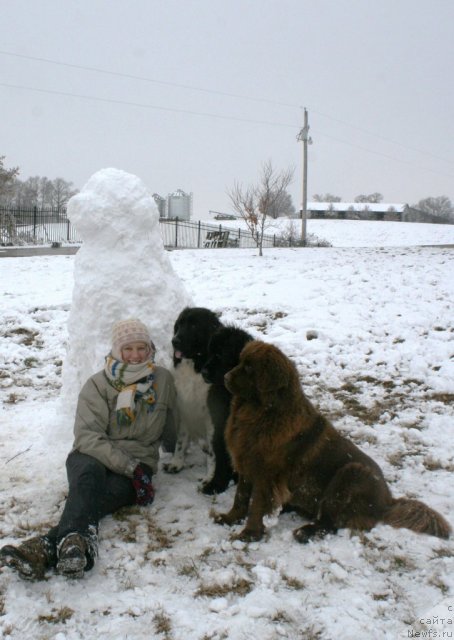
142, 484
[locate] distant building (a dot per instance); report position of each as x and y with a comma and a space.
356, 210
177, 205
367, 211
161, 203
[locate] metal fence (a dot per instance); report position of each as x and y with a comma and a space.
35, 226
48, 226
197, 235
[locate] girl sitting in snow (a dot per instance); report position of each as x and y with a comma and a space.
121, 414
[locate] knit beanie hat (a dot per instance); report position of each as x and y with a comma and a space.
126, 331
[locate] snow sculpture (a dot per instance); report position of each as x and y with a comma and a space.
121, 271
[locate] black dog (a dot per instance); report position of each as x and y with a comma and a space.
223, 354
192, 332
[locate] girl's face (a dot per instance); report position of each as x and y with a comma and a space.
135, 352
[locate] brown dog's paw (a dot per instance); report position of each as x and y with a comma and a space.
221, 518
250, 535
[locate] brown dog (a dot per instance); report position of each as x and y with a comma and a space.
287, 454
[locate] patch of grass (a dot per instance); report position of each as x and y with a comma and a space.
443, 552
162, 624
240, 587
311, 633
128, 532
370, 543
397, 459
57, 615
216, 635
402, 562
431, 464
282, 617
445, 398
380, 596
31, 362
13, 398
368, 415
190, 570
350, 387
159, 539
437, 582
293, 583
125, 512
277, 315
29, 336
413, 381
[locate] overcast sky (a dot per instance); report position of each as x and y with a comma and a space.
195, 94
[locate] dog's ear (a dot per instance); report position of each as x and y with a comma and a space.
273, 377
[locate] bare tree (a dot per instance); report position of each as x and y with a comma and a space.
256, 203
36, 191
61, 192
327, 197
440, 206
372, 197
283, 207
7, 177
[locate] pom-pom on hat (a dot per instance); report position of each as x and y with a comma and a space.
126, 331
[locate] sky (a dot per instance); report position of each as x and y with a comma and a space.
198, 94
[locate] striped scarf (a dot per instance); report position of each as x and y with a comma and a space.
135, 383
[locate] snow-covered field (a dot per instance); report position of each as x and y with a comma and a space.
382, 367
359, 233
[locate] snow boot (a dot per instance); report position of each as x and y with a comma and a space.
72, 554
31, 558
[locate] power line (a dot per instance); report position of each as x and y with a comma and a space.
383, 155
220, 93
385, 139
146, 79
147, 106
208, 115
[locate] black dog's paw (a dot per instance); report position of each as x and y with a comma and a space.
213, 487
310, 532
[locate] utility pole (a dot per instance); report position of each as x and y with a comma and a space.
303, 136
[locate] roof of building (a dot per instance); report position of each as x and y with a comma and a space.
377, 207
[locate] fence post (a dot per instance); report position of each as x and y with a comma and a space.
35, 212
176, 232
198, 236
67, 230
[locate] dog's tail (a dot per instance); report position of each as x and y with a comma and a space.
417, 516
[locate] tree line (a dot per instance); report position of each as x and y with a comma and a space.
36, 191
44, 193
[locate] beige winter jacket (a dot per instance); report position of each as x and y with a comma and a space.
121, 448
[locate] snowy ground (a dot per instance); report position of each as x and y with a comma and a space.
382, 368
